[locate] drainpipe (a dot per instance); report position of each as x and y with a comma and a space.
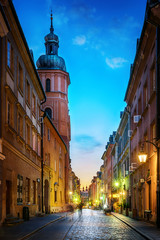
158, 118
42, 158
42, 162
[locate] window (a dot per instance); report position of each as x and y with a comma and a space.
28, 93
55, 165
8, 112
61, 196
48, 134
149, 195
33, 104
153, 78
20, 78
34, 192
20, 125
27, 190
139, 106
55, 196
60, 168
19, 189
10, 56
39, 146
34, 140
48, 85
145, 96
38, 111
27, 133
49, 112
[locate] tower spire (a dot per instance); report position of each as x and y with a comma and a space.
51, 28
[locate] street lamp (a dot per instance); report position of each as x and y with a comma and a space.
142, 157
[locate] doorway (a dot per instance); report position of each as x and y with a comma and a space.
8, 197
46, 188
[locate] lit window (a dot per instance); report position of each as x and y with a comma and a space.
19, 188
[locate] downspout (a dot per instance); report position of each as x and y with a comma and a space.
42, 158
158, 117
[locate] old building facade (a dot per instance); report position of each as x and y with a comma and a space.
54, 156
21, 97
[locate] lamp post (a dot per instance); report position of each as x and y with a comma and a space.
142, 157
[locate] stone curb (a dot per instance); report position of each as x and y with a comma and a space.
40, 228
134, 228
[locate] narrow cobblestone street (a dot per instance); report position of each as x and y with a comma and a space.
94, 225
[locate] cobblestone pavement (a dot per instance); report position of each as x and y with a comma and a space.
94, 225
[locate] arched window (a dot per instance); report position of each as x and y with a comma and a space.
48, 85
49, 112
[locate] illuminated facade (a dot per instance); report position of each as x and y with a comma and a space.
142, 97
54, 154
55, 81
20, 129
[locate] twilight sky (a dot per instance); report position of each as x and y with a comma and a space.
98, 42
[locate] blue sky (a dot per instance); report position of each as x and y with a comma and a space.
98, 43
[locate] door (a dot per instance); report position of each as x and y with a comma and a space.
8, 197
46, 188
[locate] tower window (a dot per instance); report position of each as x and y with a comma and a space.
49, 112
51, 49
48, 85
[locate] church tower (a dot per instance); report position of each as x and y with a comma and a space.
55, 81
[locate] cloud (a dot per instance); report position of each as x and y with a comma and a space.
79, 40
115, 62
86, 143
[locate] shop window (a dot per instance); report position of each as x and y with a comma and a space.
19, 189
34, 192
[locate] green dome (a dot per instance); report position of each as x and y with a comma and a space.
51, 62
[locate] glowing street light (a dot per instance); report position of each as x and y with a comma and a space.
142, 157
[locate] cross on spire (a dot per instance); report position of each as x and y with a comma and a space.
51, 28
